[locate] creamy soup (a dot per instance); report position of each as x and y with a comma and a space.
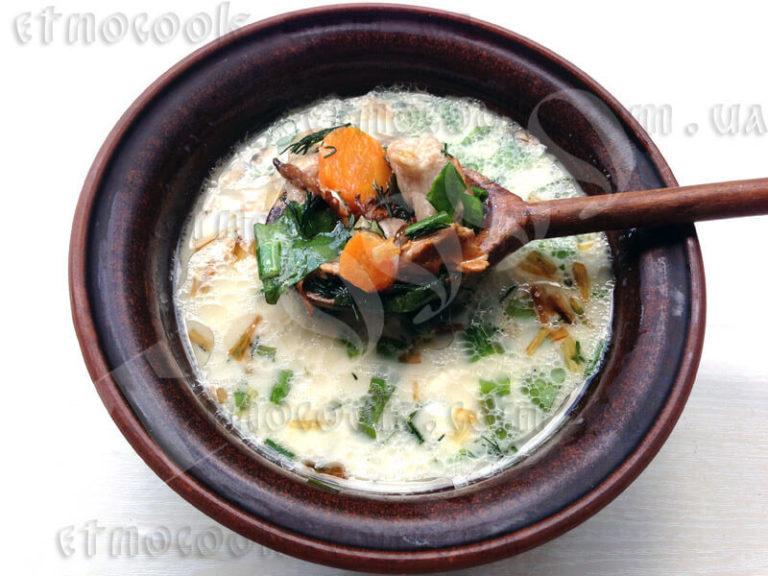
475, 381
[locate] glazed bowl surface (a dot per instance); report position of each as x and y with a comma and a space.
144, 184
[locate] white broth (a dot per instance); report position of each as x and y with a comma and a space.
458, 405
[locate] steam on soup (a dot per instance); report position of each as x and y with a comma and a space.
340, 309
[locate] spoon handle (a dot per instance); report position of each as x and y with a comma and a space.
552, 218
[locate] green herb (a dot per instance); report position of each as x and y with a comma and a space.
381, 195
303, 146
477, 134
242, 400
541, 391
478, 339
266, 351
296, 243
332, 149
353, 350
392, 200
506, 292
499, 387
354, 376
496, 448
563, 254
480, 193
449, 190
324, 485
369, 226
403, 298
590, 366
281, 387
473, 210
278, 448
428, 225
313, 217
576, 356
520, 308
332, 288
379, 392
413, 429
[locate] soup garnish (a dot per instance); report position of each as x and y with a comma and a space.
415, 364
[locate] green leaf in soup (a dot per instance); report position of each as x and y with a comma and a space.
449, 190
295, 244
379, 392
520, 308
473, 210
501, 386
478, 340
404, 298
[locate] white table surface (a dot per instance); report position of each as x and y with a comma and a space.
71, 482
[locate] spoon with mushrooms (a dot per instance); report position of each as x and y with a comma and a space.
452, 220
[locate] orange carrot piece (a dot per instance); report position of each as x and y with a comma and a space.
369, 262
353, 163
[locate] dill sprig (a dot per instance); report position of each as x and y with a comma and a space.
303, 146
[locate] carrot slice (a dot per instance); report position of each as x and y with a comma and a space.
369, 262
353, 163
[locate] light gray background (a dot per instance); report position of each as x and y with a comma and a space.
72, 485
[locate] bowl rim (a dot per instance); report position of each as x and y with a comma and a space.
300, 545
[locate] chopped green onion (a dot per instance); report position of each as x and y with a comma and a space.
282, 386
429, 225
270, 260
413, 429
324, 485
595, 359
242, 400
266, 351
279, 449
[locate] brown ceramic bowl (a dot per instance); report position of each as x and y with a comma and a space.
144, 182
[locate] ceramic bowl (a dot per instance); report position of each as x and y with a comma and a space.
149, 172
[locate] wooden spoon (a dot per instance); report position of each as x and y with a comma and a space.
511, 222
